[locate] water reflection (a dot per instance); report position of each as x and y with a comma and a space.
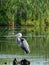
34, 60
38, 41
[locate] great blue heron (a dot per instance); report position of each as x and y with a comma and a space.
22, 42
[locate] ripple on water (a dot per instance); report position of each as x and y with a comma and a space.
33, 59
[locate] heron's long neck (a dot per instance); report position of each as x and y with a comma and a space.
18, 39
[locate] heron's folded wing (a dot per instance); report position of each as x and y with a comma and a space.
25, 43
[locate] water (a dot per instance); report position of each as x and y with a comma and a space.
38, 42
34, 60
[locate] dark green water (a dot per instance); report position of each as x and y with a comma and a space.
37, 40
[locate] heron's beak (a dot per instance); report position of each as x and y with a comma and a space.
16, 35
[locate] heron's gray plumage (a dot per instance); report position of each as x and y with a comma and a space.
23, 43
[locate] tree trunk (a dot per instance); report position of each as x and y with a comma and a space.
11, 27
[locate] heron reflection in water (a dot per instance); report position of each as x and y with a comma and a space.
22, 42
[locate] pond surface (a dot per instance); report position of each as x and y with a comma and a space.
37, 40
34, 60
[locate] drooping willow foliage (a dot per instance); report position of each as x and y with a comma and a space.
26, 9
